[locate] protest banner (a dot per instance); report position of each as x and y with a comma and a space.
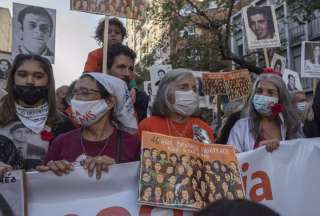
238, 84
185, 174
292, 80
5, 66
214, 84
12, 194
131, 9
286, 179
78, 195
261, 27
38, 38
278, 63
310, 59
157, 72
235, 84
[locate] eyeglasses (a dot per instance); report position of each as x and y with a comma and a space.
84, 92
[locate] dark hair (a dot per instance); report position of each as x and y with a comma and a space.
236, 208
8, 107
162, 71
103, 91
119, 49
278, 62
266, 12
99, 34
291, 76
37, 11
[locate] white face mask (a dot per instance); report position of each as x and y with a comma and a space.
301, 106
186, 102
87, 113
263, 104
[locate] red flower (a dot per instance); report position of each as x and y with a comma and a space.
276, 109
271, 71
46, 135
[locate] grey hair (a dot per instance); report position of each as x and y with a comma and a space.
290, 115
167, 87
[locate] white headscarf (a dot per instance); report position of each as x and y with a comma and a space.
123, 110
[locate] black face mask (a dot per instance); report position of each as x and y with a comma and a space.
30, 94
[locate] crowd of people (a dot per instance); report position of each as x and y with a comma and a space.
99, 120
177, 180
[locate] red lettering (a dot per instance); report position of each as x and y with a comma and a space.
244, 168
264, 185
114, 211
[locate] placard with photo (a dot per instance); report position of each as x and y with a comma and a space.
33, 31
310, 59
278, 63
5, 66
261, 27
157, 72
292, 80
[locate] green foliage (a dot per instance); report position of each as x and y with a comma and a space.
303, 10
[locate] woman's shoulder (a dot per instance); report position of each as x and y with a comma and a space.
152, 120
70, 135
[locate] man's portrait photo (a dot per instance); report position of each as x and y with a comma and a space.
157, 72
261, 27
34, 31
310, 59
292, 80
278, 63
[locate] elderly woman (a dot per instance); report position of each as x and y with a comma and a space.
102, 105
28, 115
272, 117
175, 103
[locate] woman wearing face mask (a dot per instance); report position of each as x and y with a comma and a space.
311, 126
272, 117
101, 104
175, 103
28, 115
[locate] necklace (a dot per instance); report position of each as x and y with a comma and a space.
99, 153
181, 134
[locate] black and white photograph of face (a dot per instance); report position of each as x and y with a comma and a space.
292, 80
310, 59
278, 63
5, 66
157, 72
261, 27
34, 31
161, 74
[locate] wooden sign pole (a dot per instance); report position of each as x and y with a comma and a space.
266, 57
105, 44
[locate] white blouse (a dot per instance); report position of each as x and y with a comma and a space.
241, 137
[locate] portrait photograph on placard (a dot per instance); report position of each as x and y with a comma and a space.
157, 72
261, 27
310, 59
147, 88
292, 80
278, 63
131, 9
5, 66
33, 31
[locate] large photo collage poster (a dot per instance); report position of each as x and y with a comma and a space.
182, 173
261, 27
34, 31
131, 9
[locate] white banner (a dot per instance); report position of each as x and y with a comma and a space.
76, 194
285, 180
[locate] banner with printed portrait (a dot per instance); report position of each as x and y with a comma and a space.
5, 66
157, 72
310, 59
261, 27
292, 80
205, 100
278, 63
185, 174
238, 84
131, 9
235, 84
33, 31
12, 194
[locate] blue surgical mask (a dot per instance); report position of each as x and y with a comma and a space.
301, 106
263, 104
